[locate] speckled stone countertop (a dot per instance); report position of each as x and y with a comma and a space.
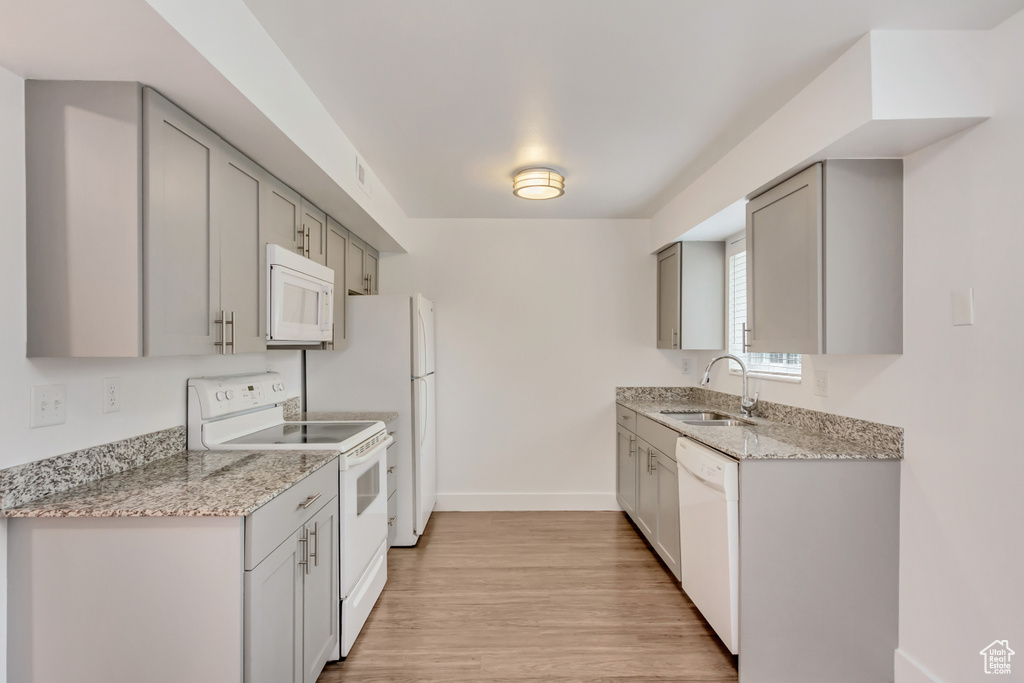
189, 484
342, 416
763, 439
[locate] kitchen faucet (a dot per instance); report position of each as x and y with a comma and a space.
747, 405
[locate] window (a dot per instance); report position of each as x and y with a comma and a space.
774, 365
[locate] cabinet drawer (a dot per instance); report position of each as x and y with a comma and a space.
658, 435
271, 524
624, 417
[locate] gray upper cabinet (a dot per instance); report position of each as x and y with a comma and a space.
83, 157
691, 296
362, 267
825, 261
181, 258
314, 227
201, 248
235, 213
281, 216
337, 257
670, 262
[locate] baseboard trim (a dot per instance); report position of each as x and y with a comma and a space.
909, 670
499, 502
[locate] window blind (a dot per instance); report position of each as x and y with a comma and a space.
783, 364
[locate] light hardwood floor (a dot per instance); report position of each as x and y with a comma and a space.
542, 596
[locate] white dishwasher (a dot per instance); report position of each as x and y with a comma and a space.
709, 535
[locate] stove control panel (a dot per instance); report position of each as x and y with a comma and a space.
213, 397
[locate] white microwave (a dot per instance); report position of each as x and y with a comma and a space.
300, 299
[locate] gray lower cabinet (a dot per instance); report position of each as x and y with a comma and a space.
363, 264
825, 260
647, 482
180, 598
646, 489
691, 296
392, 490
666, 535
625, 473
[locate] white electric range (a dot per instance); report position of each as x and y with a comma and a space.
245, 412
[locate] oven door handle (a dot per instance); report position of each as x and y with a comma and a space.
370, 454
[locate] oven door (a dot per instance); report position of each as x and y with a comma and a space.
364, 514
301, 307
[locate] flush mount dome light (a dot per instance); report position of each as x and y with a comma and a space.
538, 183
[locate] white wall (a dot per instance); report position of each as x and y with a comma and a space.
955, 390
537, 322
152, 389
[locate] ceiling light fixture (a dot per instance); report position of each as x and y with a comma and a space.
538, 183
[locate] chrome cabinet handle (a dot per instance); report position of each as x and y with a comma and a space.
675, 334
744, 340
304, 540
391, 521
223, 344
309, 501
316, 544
632, 445
391, 470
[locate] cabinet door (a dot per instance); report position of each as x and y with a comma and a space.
337, 260
181, 250
273, 616
320, 602
647, 489
280, 216
370, 269
669, 289
314, 225
784, 266
625, 479
235, 214
354, 273
667, 531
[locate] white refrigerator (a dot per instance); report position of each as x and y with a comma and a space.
388, 367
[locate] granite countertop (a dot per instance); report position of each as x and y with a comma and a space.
188, 484
764, 439
384, 417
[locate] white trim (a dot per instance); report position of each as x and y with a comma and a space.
792, 379
909, 670
494, 502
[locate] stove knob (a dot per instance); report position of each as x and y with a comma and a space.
230, 394
220, 395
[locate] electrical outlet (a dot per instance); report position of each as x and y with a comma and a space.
111, 394
686, 366
820, 383
48, 405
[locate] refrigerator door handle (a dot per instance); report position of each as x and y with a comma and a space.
426, 412
423, 343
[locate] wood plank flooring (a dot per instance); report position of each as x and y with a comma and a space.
532, 596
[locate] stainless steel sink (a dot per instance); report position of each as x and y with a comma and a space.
708, 419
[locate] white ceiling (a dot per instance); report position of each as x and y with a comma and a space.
446, 99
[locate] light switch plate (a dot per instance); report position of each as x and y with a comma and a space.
963, 306
48, 405
821, 383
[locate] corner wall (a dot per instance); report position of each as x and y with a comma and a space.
537, 322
